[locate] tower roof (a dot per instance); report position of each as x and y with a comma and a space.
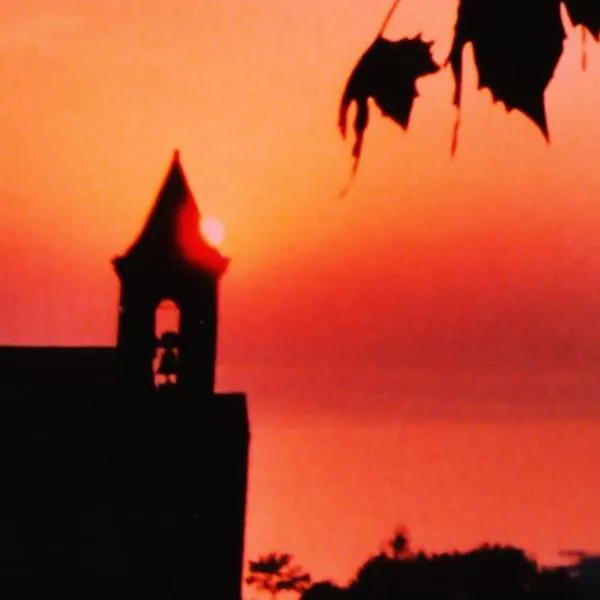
171, 232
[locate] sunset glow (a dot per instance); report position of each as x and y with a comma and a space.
213, 230
424, 351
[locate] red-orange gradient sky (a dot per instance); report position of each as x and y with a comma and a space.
425, 351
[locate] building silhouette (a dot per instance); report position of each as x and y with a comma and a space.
124, 472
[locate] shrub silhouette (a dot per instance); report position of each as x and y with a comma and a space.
489, 572
276, 573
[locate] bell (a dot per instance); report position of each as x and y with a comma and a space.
169, 339
169, 364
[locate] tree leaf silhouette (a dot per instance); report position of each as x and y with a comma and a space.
387, 72
276, 573
585, 13
517, 45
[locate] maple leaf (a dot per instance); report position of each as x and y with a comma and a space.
517, 45
585, 13
387, 72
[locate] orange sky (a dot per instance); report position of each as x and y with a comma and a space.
424, 351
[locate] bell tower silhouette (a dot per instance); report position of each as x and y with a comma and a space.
170, 261
184, 448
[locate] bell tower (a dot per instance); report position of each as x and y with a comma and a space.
184, 447
171, 261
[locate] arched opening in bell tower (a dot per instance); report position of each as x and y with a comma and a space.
167, 323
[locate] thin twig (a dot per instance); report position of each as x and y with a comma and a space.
583, 49
388, 17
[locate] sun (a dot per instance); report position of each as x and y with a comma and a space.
213, 230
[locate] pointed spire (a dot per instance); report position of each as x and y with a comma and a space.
171, 231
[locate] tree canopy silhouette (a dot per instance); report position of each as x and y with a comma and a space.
276, 573
489, 572
517, 45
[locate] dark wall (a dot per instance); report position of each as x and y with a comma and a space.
109, 494
58, 444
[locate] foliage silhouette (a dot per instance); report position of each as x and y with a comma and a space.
398, 546
276, 573
485, 573
325, 590
517, 45
489, 572
387, 72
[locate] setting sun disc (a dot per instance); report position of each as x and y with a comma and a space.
213, 230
